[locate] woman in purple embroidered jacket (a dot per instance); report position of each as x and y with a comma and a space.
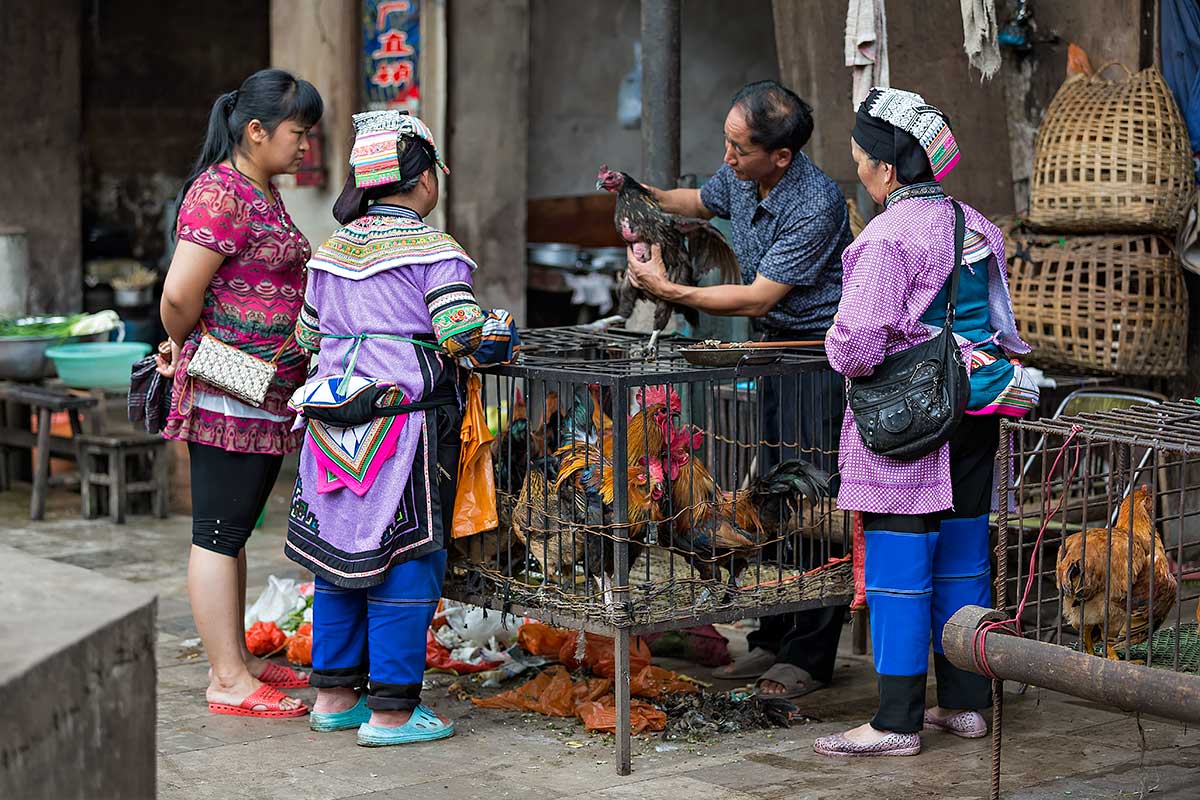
926, 520
389, 307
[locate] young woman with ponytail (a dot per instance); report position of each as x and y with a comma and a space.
238, 275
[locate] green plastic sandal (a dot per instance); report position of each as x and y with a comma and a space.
422, 726
352, 717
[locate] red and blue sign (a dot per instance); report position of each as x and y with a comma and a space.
391, 44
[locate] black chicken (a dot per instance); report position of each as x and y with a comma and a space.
690, 247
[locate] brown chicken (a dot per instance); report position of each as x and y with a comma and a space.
564, 517
1145, 582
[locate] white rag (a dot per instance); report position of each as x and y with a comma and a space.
593, 289
979, 35
866, 47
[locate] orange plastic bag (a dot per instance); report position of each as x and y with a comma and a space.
552, 693
299, 646
539, 639
544, 640
475, 499
265, 638
601, 715
655, 682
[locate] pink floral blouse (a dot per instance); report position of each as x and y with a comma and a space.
252, 303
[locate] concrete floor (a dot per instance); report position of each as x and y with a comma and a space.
1054, 746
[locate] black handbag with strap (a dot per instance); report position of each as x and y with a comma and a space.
911, 404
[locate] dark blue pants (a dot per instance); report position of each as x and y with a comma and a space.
375, 638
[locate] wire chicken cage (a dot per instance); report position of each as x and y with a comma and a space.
1102, 533
1097, 555
639, 494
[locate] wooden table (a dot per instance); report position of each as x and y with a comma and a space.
14, 433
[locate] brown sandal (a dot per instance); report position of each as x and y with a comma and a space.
751, 665
796, 682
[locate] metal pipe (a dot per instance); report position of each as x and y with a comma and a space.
1130, 687
660, 92
621, 678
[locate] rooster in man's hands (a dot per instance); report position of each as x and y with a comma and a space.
690, 247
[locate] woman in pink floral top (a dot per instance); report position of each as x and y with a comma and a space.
238, 275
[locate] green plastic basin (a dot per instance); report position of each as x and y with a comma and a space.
97, 365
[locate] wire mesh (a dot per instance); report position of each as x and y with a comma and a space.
652, 494
1102, 532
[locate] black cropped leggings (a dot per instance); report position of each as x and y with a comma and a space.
229, 491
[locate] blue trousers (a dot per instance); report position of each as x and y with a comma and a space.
920, 570
375, 638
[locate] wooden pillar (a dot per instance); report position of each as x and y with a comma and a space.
40, 50
318, 41
660, 92
487, 143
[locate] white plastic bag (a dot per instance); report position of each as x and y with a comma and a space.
277, 602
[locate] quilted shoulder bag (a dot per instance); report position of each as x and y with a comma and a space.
911, 404
234, 371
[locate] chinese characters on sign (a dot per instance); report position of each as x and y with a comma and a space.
391, 42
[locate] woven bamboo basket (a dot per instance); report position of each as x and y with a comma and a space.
1111, 304
1112, 155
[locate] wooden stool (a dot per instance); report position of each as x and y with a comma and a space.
116, 450
15, 434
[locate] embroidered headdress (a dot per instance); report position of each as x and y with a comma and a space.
382, 141
902, 129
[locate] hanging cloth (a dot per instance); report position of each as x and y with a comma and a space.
979, 35
866, 47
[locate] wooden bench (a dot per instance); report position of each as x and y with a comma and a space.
15, 434
104, 468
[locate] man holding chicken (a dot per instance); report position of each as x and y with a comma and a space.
790, 226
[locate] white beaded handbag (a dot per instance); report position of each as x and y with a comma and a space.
234, 371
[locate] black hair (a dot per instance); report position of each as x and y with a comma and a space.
353, 202
270, 96
776, 115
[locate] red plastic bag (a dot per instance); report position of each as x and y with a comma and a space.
265, 638
437, 656
860, 563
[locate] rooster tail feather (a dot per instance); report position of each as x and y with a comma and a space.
797, 478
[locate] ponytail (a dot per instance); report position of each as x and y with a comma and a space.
269, 96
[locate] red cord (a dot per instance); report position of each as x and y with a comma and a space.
1013, 625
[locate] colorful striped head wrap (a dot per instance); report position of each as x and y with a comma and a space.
380, 139
902, 129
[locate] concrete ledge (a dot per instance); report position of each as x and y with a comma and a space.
77, 683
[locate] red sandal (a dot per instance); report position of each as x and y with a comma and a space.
282, 677
264, 695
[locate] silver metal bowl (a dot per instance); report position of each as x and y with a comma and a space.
553, 254
607, 259
23, 358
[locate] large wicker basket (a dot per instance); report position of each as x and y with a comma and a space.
1112, 156
1113, 304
